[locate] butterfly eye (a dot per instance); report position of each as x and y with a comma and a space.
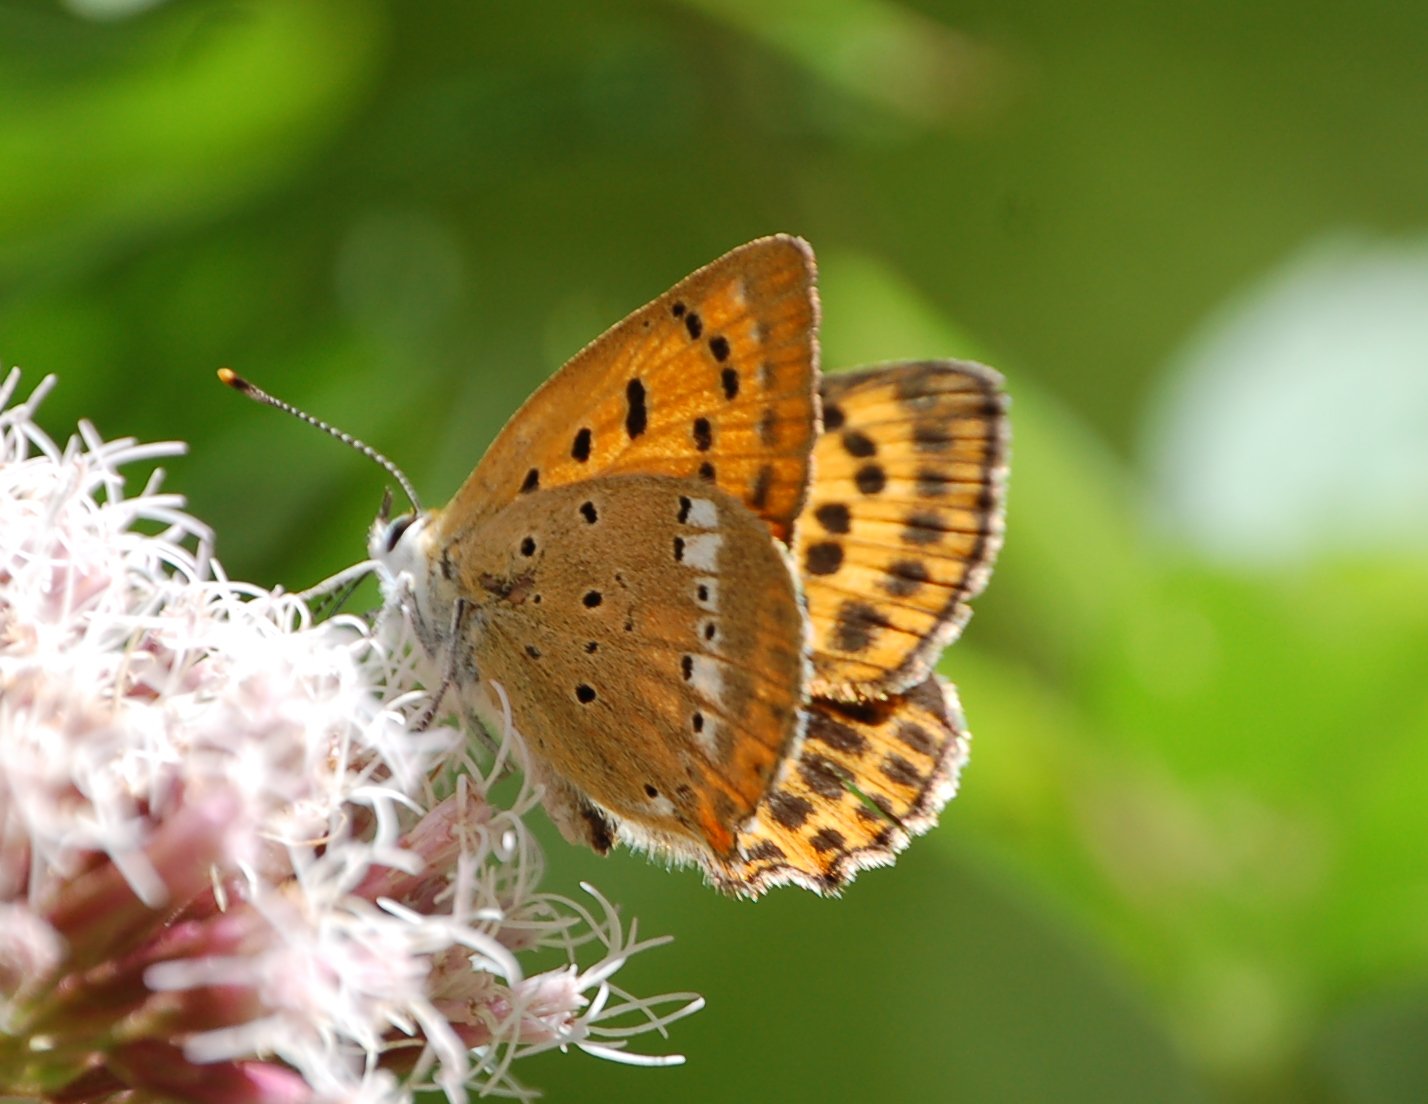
397, 528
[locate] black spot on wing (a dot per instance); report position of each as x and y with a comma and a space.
823, 558
821, 776
932, 437
916, 737
768, 426
859, 444
834, 516
857, 626
790, 810
637, 413
763, 484
871, 478
837, 735
932, 483
905, 578
923, 528
900, 772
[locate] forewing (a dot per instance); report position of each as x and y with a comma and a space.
715, 380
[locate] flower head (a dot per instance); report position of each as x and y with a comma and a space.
229, 868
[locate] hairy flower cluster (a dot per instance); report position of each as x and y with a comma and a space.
229, 868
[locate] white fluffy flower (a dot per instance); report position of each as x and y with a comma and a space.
229, 868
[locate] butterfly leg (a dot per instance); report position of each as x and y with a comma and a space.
332, 593
428, 715
448, 678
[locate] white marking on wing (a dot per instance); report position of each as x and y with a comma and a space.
703, 514
708, 736
702, 552
708, 679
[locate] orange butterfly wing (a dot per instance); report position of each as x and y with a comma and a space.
714, 380
903, 521
867, 778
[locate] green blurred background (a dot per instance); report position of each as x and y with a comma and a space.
1188, 859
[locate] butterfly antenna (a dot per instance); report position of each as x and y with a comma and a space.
257, 394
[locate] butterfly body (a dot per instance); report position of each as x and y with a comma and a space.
713, 617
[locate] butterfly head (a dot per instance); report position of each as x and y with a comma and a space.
399, 548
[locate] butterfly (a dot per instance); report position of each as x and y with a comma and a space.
711, 583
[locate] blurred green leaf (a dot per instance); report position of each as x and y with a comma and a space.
202, 107
1374, 1054
906, 62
